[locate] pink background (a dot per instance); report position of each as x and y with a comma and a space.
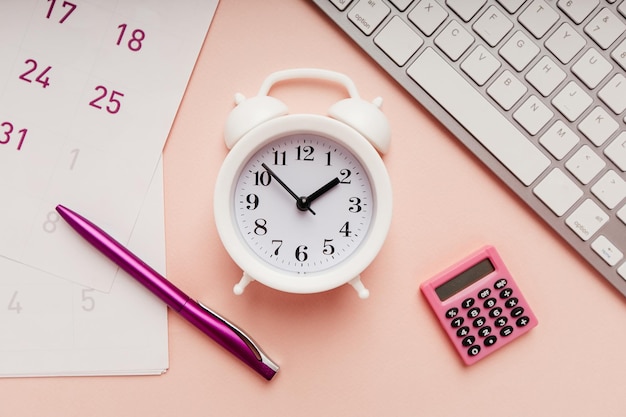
340, 355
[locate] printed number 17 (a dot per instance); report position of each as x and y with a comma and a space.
72, 7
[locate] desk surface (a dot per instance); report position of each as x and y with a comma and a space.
341, 355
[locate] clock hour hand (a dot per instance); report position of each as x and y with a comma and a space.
304, 203
286, 187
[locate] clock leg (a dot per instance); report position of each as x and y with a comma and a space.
242, 284
359, 287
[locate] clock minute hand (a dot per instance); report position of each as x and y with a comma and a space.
286, 187
305, 202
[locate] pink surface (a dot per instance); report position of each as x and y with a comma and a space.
339, 355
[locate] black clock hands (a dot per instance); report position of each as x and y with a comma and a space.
286, 187
303, 203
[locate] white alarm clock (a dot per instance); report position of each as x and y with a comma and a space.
303, 201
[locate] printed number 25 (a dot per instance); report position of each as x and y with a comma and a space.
113, 103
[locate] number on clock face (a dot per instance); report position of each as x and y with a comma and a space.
303, 203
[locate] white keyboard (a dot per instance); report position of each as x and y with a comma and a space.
536, 89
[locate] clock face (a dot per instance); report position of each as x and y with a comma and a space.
303, 203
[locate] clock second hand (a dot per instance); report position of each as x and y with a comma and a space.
289, 190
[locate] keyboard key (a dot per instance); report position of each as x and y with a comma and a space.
506, 90
559, 139
538, 18
368, 14
492, 26
545, 76
578, 10
565, 43
454, 40
605, 28
607, 250
477, 115
614, 93
610, 189
587, 219
558, 192
341, 4
480, 65
511, 6
398, 41
466, 9
616, 151
591, 68
598, 126
428, 16
619, 54
585, 164
621, 214
533, 115
519, 50
572, 101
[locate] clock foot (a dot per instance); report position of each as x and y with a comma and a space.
360, 288
242, 284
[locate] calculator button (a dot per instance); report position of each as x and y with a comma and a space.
522, 321
517, 311
473, 313
506, 331
501, 283
474, 350
451, 313
496, 312
479, 322
468, 341
463, 331
501, 321
490, 302
457, 322
484, 293
467, 303
506, 293
484, 331
511, 302
491, 340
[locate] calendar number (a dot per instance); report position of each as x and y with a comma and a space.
89, 303
14, 304
111, 100
66, 5
135, 38
9, 133
40, 77
52, 219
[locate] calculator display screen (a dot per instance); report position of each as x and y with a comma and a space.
464, 279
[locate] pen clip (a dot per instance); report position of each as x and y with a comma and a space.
258, 353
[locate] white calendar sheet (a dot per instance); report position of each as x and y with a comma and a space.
88, 92
51, 326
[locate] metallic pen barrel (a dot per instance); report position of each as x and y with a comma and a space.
210, 323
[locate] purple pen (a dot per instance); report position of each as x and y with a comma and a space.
210, 323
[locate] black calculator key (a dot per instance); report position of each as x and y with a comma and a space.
479, 322
501, 321
511, 302
473, 313
506, 331
506, 293
484, 331
491, 340
467, 303
468, 341
474, 350
501, 283
463, 331
457, 322
451, 313
490, 303
496, 312
517, 311
522, 321
484, 293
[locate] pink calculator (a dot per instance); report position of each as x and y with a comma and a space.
479, 305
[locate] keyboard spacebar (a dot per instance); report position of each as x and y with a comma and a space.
478, 116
